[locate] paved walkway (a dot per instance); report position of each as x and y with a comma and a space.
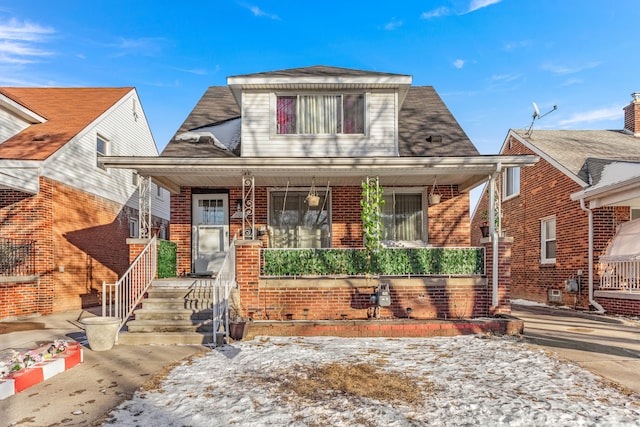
606, 345
83, 394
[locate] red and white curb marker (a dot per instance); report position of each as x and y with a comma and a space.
25, 378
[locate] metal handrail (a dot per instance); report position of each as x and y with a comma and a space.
121, 298
225, 278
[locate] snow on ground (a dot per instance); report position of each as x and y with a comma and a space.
464, 380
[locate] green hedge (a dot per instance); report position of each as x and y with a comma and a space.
166, 259
391, 262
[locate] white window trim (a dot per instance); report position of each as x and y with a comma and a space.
543, 240
321, 192
506, 196
345, 136
425, 206
107, 149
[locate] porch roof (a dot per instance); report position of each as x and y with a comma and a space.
175, 172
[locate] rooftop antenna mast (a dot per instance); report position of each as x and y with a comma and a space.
536, 116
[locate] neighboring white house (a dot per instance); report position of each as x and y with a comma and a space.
58, 204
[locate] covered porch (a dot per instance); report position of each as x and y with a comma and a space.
246, 195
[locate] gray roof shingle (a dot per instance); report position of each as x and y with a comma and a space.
572, 148
423, 116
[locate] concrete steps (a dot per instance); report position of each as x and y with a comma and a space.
173, 313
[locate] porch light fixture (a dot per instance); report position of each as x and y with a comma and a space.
409, 310
238, 205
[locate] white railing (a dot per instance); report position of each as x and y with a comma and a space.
224, 281
121, 298
620, 272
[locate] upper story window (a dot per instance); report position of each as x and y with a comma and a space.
511, 182
102, 148
320, 114
635, 213
548, 240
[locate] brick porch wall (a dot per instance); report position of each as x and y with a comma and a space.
349, 298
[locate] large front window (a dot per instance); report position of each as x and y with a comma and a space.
320, 114
402, 217
293, 223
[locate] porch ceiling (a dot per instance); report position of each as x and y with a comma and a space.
172, 173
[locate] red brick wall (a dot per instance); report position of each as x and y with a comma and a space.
623, 307
448, 222
544, 191
81, 242
324, 299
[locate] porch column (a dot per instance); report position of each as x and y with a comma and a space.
247, 277
144, 207
500, 292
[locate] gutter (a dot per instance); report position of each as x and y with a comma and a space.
591, 300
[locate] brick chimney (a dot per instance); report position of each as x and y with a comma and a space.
632, 116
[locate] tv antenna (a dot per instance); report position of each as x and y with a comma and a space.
536, 116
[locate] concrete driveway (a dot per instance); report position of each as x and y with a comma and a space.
605, 345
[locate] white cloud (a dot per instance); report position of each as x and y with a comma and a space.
565, 69
18, 39
436, 13
393, 24
147, 46
517, 45
261, 13
611, 113
505, 77
479, 4
458, 63
23, 31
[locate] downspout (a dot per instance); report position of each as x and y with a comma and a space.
591, 300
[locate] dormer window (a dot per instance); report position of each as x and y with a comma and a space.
320, 114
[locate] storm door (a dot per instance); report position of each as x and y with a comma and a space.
210, 232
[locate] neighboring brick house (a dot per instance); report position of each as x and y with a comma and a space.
542, 210
249, 154
63, 219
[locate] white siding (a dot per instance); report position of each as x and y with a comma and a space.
127, 135
10, 125
260, 140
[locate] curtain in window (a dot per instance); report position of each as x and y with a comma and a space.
286, 111
353, 114
298, 225
402, 217
318, 114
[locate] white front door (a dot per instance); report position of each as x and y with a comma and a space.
210, 232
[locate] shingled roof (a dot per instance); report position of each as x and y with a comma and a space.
67, 112
426, 126
576, 150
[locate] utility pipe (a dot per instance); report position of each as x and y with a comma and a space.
591, 300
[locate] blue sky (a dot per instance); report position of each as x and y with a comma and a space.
488, 59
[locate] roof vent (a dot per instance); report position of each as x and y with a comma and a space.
434, 138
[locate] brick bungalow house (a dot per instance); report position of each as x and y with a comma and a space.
63, 218
249, 158
564, 212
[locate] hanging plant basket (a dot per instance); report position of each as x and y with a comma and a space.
313, 199
434, 197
